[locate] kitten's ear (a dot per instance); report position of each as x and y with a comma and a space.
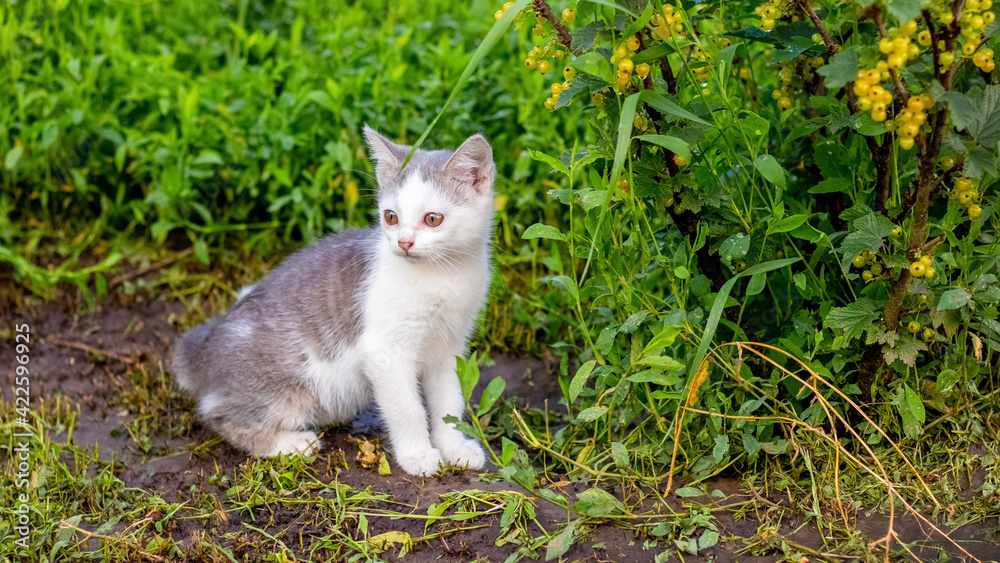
472, 164
388, 156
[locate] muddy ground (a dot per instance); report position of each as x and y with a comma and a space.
105, 362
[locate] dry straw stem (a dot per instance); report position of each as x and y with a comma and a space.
881, 475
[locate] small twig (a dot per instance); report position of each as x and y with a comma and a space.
154, 266
543, 8
91, 349
831, 47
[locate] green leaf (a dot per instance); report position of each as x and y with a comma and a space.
904, 348
624, 137
946, 380
468, 374
584, 37
867, 233
987, 130
561, 542
832, 185
538, 230
911, 410
551, 161
581, 83
854, 318
673, 144
769, 168
654, 376
750, 443
786, 224
50, 135
591, 414
841, 69
756, 285
963, 112
688, 492
598, 503
569, 285
662, 339
721, 448
594, 64
13, 157
662, 103
708, 539
619, 454
580, 379
953, 299
734, 247
904, 10
682, 272
979, 162
201, 251
491, 394
666, 363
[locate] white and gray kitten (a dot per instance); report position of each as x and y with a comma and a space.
368, 314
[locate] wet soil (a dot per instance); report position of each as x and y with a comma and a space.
108, 364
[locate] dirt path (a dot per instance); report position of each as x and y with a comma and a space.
108, 364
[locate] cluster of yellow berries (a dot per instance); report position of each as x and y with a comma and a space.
540, 58
973, 20
898, 47
701, 73
622, 58
967, 196
872, 96
909, 120
499, 13
793, 75
771, 12
928, 335
872, 267
569, 73
984, 59
668, 23
922, 267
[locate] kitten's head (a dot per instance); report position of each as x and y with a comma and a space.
440, 206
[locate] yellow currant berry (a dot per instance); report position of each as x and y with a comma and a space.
621, 52
913, 327
568, 15
895, 60
859, 261
540, 19
767, 24
867, 276
926, 260
597, 99
946, 16
965, 198
930, 272
544, 67
947, 58
909, 129
623, 185
989, 17
864, 104
885, 46
642, 69
633, 43
550, 103
680, 160
559, 54
906, 143
947, 163
784, 103
909, 27
969, 49
538, 30
531, 63
625, 65
569, 73
876, 269
556, 88
962, 183
622, 78
929, 334
498, 14
975, 211
862, 88
917, 269
924, 38
640, 123
897, 231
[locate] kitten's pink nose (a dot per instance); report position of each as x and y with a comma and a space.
405, 245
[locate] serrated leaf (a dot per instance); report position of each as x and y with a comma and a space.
583, 82
979, 161
584, 37
854, 318
905, 349
868, 232
963, 112
987, 130
904, 10
538, 230
841, 69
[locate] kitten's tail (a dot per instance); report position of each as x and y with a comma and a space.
187, 351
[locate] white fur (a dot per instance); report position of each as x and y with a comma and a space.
419, 310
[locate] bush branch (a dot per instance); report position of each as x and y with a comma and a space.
543, 8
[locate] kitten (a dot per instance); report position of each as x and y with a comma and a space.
368, 314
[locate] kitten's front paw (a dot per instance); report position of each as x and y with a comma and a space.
302, 443
465, 453
421, 462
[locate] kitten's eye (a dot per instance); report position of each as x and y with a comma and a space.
390, 217
433, 219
